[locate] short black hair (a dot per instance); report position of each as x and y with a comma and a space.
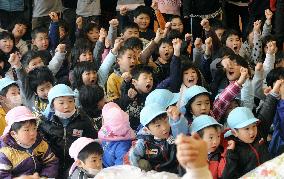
91, 148
227, 34
38, 30
18, 21
173, 34
130, 25
156, 119
79, 69
133, 42
89, 96
29, 56
201, 131
37, 77
62, 23
142, 10
90, 26
5, 90
18, 125
81, 46
274, 75
186, 65
7, 35
279, 57
166, 41
140, 68
122, 51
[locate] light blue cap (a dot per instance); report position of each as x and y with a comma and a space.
163, 97
240, 117
189, 93
4, 82
203, 121
149, 112
58, 91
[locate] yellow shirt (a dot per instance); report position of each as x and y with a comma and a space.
114, 82
2, 120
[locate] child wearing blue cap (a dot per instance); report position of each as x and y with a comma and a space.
63, 124
155, 148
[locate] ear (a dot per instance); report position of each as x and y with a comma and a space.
13, 134
234, 132
33, 40
134, 82
79, 163
2, 99
134, 19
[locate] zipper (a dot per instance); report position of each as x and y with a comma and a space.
256, 154
64, 150
31, 155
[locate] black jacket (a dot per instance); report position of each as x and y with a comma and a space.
200, 7
60, 138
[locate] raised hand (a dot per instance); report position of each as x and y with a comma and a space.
205, 24
53, 16
79, 22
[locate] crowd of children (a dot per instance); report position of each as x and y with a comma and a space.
166, 87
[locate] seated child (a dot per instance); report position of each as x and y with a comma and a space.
210, 131
23, 151
133, 95
154, 150
62, 124
9, 98
116, 134
87, 154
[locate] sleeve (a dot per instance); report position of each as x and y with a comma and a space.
105, 69
56, 62
179, 126
268, 64
5, 167
194, 173
124, 100
112, 89
221, 104
267, 113
97, 53
53, 35
160, 19
231, 169
123, 20
175, 74
257, 83
112, 34
247, 95
79, 33
197, 56
120, 151
256, 54
50, 164
205, 68
164, 84
215, 40
89, 130
147, 52
137, 152
266, 30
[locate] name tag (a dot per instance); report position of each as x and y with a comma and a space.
77, 133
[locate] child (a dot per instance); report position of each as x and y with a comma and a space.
92, 101
125, 61
61, 115
116, 134
9, 98
37, 84
210, 131
163, 97
87, 154
155, 150
134, 93
22, 140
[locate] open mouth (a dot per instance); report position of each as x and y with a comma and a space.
235, 48
131, 66
231, 73
148, 86
191, 81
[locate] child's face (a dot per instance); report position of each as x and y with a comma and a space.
246, 134
166, 51
19, 31
127, 61
212, 137
201, 105
233, 72
34, 63
160, 128
94, 161
93, 35
6, 45
86, 56
41, 41
131, 32
12, 97
177, 24
144, 84
64, 104
89, 78
234, 43
219, 33
26, 135
13, 91
143, 21
62, 32
43, 89
190, 77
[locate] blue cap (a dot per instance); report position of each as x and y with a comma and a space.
4, 82
58, 91
240, 117
189, 93
163, 97
149, 112
203, 121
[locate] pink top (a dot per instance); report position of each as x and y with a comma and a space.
169, 6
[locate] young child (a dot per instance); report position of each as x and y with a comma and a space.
9, 98
87, 154
92, 100
62, 124
162, 97
116, 134
135, 91
154, 150
21, 139
210, 131
125, 61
